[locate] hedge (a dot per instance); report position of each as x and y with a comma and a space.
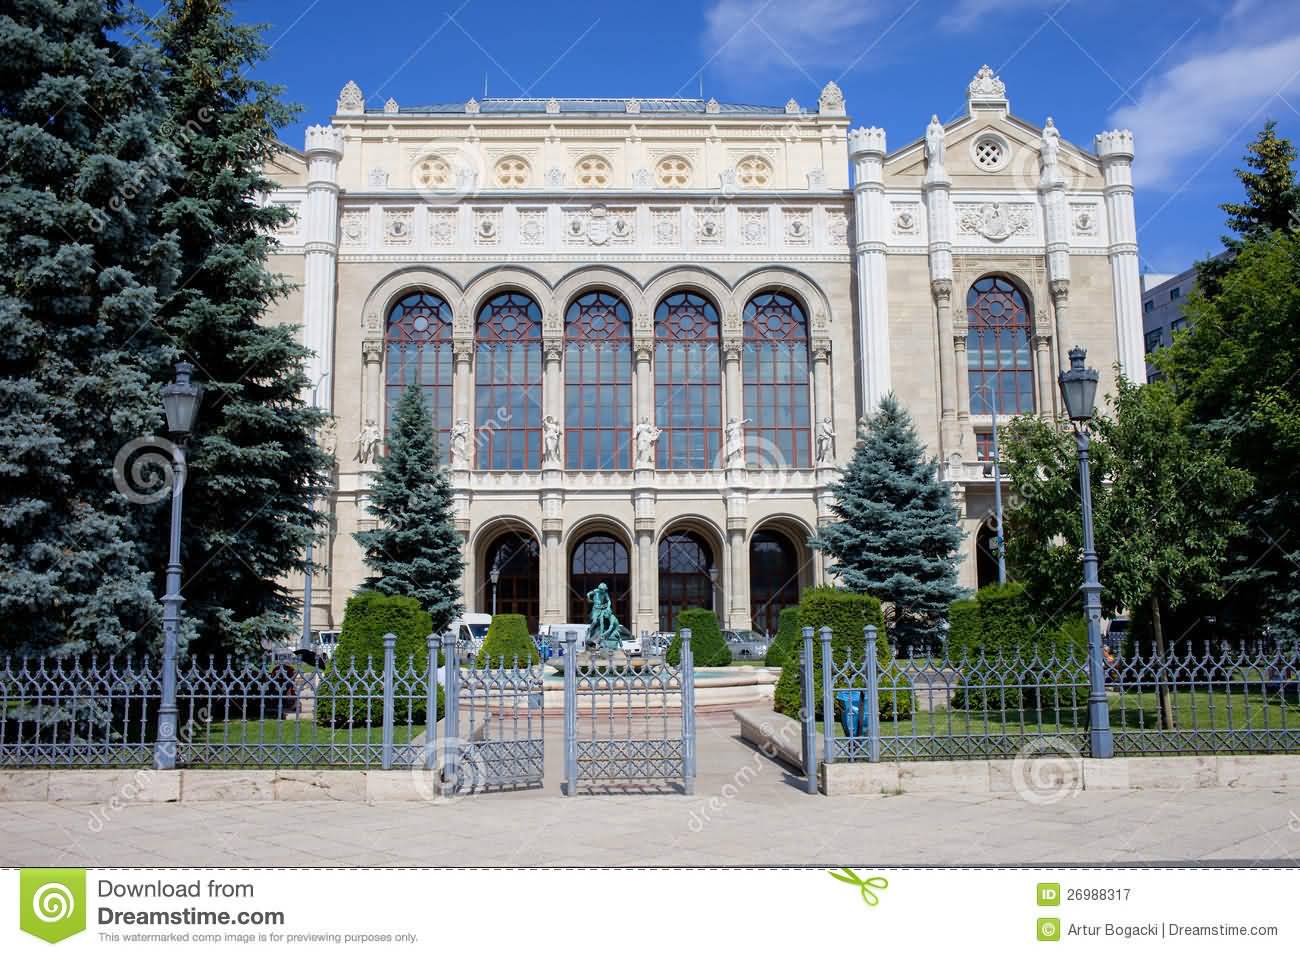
346, 697
508, 640
846, 614
963, 628
785, 645
707, 644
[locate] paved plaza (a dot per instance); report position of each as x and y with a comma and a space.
746, 810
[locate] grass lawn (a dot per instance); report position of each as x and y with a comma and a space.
273, 731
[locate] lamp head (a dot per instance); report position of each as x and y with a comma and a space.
181, 399
1078, 387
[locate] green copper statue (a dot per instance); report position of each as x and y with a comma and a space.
605, 629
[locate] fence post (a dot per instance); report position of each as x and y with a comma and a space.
451, 720
390, 646
570, 712
431, 705
828, 698
808, 712
164, 746
873, 696
688, 712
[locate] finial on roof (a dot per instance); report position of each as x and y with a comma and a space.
350, 99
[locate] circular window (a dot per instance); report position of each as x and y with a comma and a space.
754, 172
593, 171
432, 171
989, 152
512, 171
673, 172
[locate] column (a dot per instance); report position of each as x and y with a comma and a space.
643, 386
1056, 230
1045, 376
462, 388
320, 263
867, 154
553, 389
372, 354
645, 582
733, 405
737, 583
823, 405
949, 430
553, 568
936, 189
1116, 151
959, 330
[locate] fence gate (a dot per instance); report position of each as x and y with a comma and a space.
493, 725
628, 723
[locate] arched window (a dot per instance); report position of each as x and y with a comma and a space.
775, 371
688, 382
986, 554
997, 348
773, 579
418, 343
508, 383
598, 383
512, 560
686, 576
600, 558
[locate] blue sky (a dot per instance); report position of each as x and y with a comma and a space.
1194, 80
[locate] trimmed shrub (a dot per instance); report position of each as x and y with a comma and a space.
1006, 638
963, 628
1063, 666
508, 641
846, 614
351, 689
707, 644
785, 645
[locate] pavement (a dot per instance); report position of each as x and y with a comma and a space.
747, 810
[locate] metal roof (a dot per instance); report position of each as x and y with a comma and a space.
603, 105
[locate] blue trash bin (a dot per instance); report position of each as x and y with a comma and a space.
851, 712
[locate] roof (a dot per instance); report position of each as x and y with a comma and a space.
603, 105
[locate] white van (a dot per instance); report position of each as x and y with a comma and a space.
554, 636
469, 631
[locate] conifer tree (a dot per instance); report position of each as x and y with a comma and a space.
84, 263
897, 535
415, 551
256, 467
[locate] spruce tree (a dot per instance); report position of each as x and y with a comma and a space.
83, 264
415, 551
256, 467
897, 535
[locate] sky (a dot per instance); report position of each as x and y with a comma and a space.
1195, 80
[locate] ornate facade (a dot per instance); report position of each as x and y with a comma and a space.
647, 329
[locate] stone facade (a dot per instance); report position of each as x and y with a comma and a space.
646, 199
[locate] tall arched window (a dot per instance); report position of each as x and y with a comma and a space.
686, 575
775, 370
418, 342
997, 348
688, 382
598, 383
600, 558
508, 383
773, 579
509, 581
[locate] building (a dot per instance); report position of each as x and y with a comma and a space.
1163, 298
648, 328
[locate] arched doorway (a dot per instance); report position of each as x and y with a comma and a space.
773, 578
511, 580
986, 554
687, 575
597, 558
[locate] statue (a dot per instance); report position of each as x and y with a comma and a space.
825, 441
368, 443
604, 626
647, 438
934, 150
1049, 149
736, 442
329, 437
460, 444
551, 433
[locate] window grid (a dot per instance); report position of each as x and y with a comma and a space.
685, 561
775, 382
997, 348
417, 341
773, 579
508, 383
600, 558
688, 382
598, 383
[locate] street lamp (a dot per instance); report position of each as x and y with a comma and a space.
305, 641
1079, 390
181, 404
997, 482
494, 575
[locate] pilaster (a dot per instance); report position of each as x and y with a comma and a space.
324, 151
867, 155
1115, 148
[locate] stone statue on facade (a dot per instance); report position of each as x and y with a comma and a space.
551, 435
328, 437
825, 442
1049, 151
368, 443
460, 433
647, 439
934, 150
735, 452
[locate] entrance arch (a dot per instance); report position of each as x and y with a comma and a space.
595, 558
774, 573
986, 553
688, 574
512, 555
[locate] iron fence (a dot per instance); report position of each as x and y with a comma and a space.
494, 727
1223, 700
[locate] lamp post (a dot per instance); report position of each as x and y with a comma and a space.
1079, 390
997, 483
181, 399
305, 641
494, 575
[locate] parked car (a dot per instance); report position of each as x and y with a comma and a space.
655, 644
746, 644
554, 635
631, 645
1116, 634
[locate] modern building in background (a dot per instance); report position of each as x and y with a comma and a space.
1163, 298
648, 328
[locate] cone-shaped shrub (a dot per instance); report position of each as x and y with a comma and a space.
508, 640
707, 644
785, 646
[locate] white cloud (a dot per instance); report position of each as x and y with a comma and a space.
1190, 110
791, 34
968, 13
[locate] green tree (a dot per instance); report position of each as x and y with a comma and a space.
508, 644
897, 535
257, 468
83, 265
1234, 373
415, 550
708, 647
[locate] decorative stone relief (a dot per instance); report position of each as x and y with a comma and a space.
837, 226
390, 106
471, 106
555, 176
353, 226
622, 226
753, 226
552, 106
641, 178
290, 226
791, 105
986, 85
442, 226
798, 226
378, 177
633, 106
993, 221
712, 106
1083, 219
487, 227
350, 99
397, 227
709, 226
599, 226
905, 219
831, 100
532, 227
817, 179
666, 227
